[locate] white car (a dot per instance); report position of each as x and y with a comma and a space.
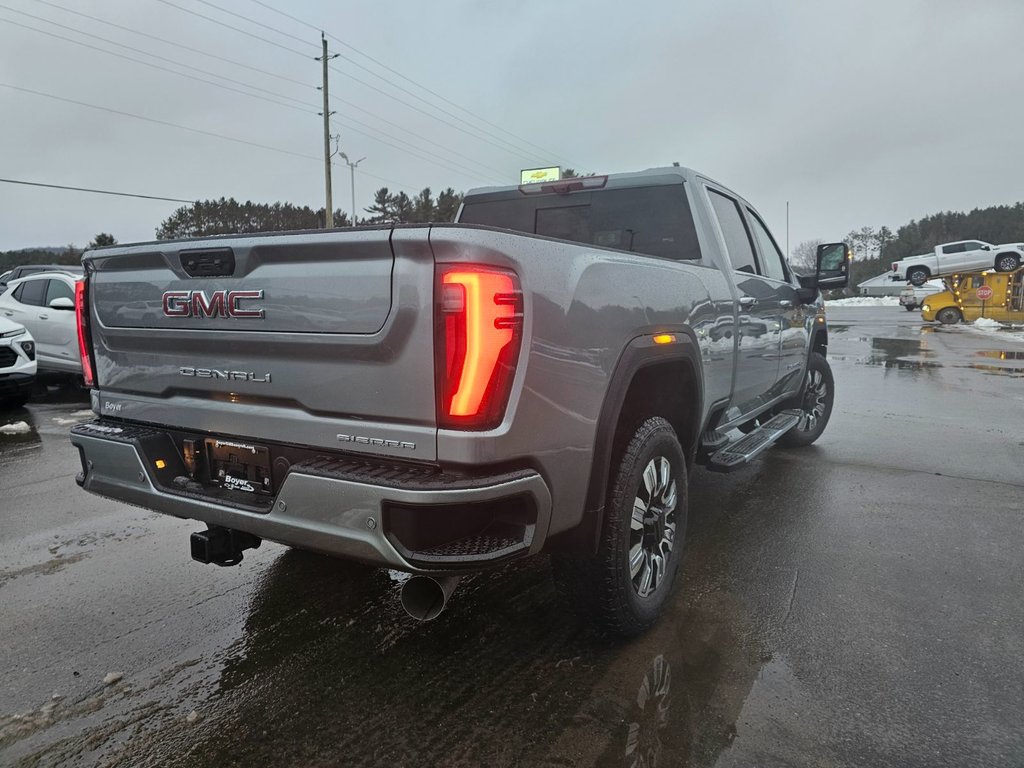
961, 256
45, 304
913, 296
17, 364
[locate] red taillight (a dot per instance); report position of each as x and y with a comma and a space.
84, 340
479, 325
894, 266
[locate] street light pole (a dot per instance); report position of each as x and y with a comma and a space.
352, 168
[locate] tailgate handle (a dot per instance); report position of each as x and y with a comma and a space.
217, 263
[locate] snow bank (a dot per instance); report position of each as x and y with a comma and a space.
865, 301
17, 428
992, 328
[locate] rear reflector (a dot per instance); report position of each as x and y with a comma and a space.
82, 322
479, 320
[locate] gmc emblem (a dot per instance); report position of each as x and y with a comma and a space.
219, 304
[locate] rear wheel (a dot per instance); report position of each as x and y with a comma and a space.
626, 584
910, 307
917, 275
949, 316
814, 404
1007, 262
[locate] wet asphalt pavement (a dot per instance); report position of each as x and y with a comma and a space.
859, 602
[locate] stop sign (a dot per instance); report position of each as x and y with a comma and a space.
984, 293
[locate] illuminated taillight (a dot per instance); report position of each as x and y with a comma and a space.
84, 339
479, 324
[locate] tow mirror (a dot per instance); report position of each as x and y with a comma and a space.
62, 303
833, 265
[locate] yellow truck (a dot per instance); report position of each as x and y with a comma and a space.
968, 296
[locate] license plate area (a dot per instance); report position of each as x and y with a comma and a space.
239, 466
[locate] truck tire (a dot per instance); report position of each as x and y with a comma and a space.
949, 316
1007, 262
626, 584
917, 275
910, 307
814, 403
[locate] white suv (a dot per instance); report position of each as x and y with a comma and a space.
45, 304
17, 364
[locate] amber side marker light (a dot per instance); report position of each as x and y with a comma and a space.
664, 338
160, 463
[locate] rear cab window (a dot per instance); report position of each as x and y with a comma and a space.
654, 220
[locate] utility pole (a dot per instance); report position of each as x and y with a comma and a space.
787, 231
352, 167
329, 207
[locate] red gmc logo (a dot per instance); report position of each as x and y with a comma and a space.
218, 304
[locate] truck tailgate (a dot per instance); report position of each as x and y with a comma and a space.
322, 339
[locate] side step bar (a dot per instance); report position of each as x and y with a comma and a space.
735, 455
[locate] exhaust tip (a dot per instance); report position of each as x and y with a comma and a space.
424, 597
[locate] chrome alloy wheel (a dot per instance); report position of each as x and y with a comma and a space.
814, 402
653, 526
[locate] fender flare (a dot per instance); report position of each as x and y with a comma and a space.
641, 352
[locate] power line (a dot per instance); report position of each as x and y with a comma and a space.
257, 70
393, 71
190, 129
304, 107
156, 121
354, 63
183, 46
515, 151
151, 65
95, 191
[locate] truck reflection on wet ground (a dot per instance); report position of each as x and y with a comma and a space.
330, 670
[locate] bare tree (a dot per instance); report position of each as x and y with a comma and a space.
805, 255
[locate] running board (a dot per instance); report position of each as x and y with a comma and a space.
735, 455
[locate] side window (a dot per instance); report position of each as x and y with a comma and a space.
954, 248
770, 253
972, 246
977, 281
737, 239
58, 290
31, 292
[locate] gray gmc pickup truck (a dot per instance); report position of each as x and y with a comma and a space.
541, 375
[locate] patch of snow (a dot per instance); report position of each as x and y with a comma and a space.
17, 428
865, 301
86, 414
987, 322
112, 677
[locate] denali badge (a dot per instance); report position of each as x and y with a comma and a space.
213, 373
219, 304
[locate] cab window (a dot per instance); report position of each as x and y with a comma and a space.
31, 292
737, 239
954, 248
771, 256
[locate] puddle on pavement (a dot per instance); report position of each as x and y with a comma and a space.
1000, 354
902, 354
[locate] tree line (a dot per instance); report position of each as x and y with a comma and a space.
228, 216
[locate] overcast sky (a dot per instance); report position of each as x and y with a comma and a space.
857, 113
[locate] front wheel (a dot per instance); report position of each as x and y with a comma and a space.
814, 404
1007, 262
948, 316
626, 584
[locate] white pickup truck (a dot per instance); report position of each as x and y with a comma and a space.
961, 256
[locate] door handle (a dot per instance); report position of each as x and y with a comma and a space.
785, 303
747, 301
44, 317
